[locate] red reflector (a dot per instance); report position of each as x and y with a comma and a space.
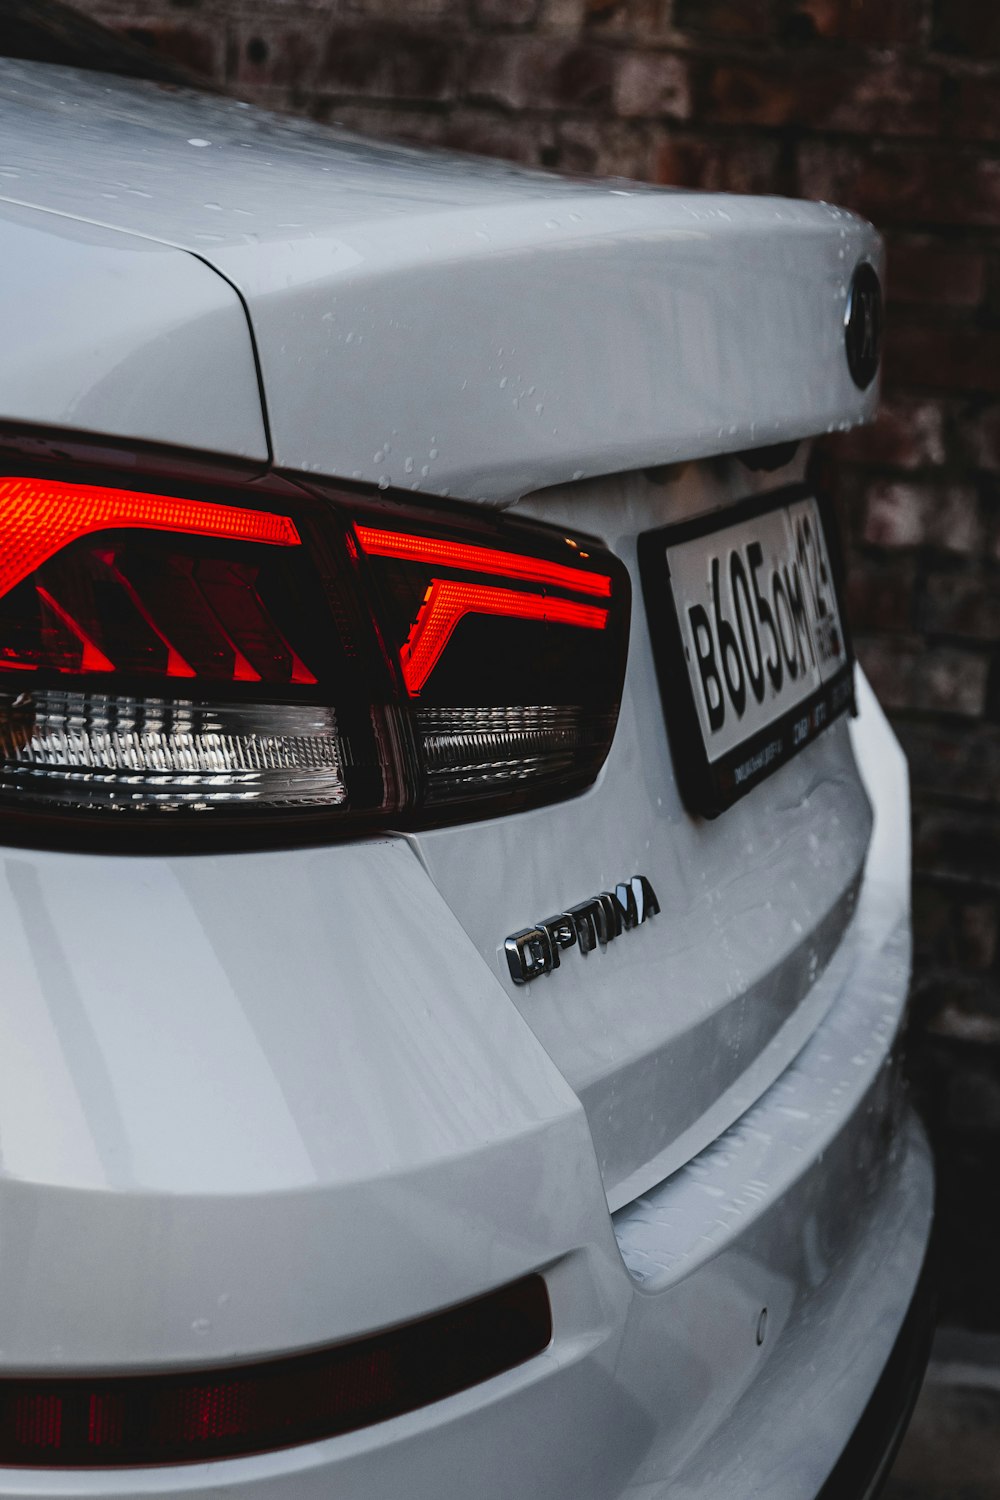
37, 1421
105, 1420
442, 553
38, 517
157, 1419
446, 602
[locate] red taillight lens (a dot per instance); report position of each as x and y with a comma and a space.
106, 1422
196, 653
39, 517
446, 601
439, 552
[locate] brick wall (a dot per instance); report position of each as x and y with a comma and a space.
893, 108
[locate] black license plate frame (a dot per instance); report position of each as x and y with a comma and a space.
710, 784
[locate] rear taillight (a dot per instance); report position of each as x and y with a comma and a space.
293, 654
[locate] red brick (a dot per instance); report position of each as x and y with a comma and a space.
383, 120
979, 437
945, 359
908, 434
197, 47
977, 108
603, 148
583, 77
961, 845
752, 20
913, 514
727, 165
496, 73
944, 757
892, 184
867, 23
934, 908
262, 56
522, 73
895, 516
953, 927
845, 483
647, 19
412, 12
652, 84
561, 16
934, 274
961, 604
968, 26
956, 1021
506, 15
389, 62
908, 675
883, 97
973, 1103
528, 139
880, 595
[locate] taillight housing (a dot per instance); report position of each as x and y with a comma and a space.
279, 654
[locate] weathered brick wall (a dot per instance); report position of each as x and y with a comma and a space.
893, 108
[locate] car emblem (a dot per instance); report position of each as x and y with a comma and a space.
600, 920
863, 325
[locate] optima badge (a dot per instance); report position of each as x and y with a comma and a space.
600, 920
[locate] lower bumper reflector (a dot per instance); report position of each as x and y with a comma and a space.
110, 1421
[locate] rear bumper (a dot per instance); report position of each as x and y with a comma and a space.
183, 1184
659, 1387
643, 1395
865, 1462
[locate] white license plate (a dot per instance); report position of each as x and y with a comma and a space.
749, 638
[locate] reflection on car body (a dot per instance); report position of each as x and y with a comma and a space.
383, 572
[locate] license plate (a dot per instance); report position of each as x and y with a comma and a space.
749, 640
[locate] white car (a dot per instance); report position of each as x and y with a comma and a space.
454, 921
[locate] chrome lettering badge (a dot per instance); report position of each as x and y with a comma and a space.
597, 921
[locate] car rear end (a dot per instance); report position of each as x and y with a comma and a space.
456, 880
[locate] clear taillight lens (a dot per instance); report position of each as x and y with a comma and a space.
283, 653
95, 751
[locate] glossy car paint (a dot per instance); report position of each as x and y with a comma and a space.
260, 1126
108, 333
664, 1049
519, 330
254, 1103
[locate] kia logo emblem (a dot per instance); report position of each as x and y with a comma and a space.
863, 325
